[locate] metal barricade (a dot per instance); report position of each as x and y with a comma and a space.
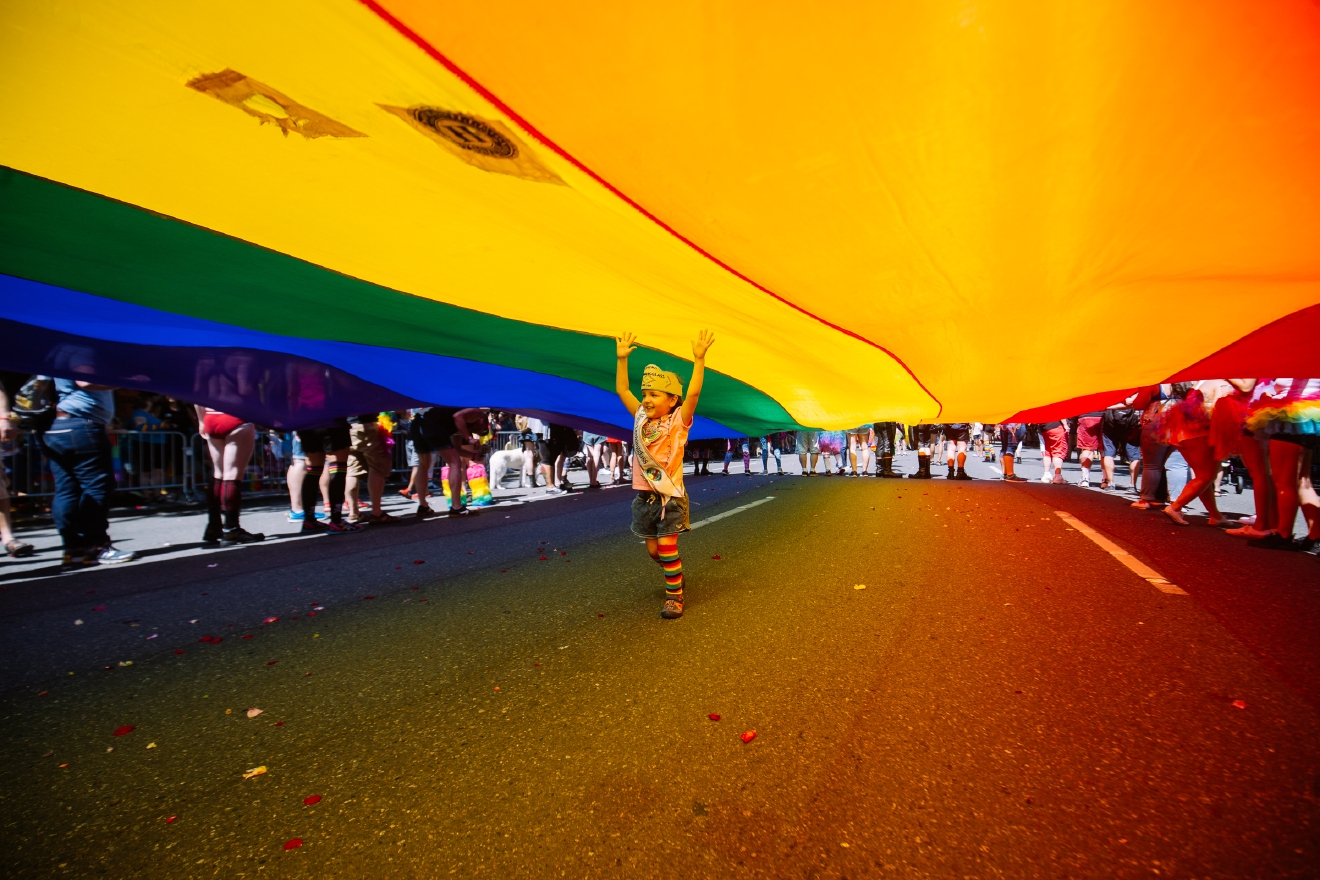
152, 464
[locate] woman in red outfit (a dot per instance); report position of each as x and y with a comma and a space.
230, 440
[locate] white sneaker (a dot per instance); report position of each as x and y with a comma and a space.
1045, 478
1084, 483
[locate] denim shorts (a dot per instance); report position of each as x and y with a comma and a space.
647, 521
1111, 449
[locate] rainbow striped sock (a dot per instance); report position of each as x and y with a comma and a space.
672, 565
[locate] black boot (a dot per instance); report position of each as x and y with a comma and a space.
887, 468
923, 468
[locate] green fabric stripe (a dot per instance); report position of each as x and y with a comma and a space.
64, 236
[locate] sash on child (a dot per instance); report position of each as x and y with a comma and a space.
656, 477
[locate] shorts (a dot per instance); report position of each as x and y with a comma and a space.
1111, 449
1089, 433
426, 442
410, 450
592, 439
808, 442
1055, 442
1010, 438
327, 440
649, 522
955, 435
296, 447
221, 424
368, 452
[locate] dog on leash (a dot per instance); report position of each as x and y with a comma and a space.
504, 461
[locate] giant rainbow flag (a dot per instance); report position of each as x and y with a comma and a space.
925, 211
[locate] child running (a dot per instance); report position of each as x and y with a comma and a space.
661, 421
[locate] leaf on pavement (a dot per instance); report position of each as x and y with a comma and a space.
253, 713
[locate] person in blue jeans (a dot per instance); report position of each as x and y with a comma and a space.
78, 450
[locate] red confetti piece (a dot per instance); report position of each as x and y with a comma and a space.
170, 820
368, 597
271, 662
281, 723
312, 800
42, 693
247, 636
562, 553
311, 613
715, 557
497, 687
127, 728
543, 559
536, 664
271, 620
1239, 704
598, 614
713, 716
419, 562
211, 640
99, 608
749, 736
292, 844
178, 652
504, 571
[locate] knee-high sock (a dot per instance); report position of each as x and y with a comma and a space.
231, 501
213, 504
672, 565
747, 461
311, 493
338, 476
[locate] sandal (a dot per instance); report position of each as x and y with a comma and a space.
381, 518
18, 549
673, 608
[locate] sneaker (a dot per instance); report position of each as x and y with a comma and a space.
18, 549
1045, 478
315, 527
1014, 478
673, 607
323, 516
1246, 532
1084, 483
108, 555
464, 510
211, 537
296, 516
1274, 541
232, 537
342, 528
1308, 545
424, 511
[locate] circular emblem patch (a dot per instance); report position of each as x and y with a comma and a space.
466, 131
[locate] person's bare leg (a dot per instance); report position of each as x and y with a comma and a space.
1307, 496
351, 495
294, 478
457, 472
593, 464
1084, 458
1134, 472
1285, 465
802, 458
1201, 458
815, 459
962, 454
6, 521
1256, 456
1107, 470
1008, 464
376, 483
423, 479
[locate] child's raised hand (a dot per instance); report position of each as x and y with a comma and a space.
625, 345
701, 344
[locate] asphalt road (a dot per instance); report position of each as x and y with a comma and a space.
1002, 698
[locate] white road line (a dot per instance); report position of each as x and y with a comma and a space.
996, 470
1141, 569
719, 516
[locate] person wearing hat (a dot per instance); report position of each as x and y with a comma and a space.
661, 422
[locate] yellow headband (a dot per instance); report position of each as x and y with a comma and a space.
656, 379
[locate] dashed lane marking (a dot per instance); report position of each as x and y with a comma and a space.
719, 516
1141, 569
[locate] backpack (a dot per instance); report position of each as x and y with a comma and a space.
34, 406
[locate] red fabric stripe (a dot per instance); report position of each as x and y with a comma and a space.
526, 126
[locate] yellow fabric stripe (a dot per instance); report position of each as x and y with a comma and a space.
1026, 201
295, 150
